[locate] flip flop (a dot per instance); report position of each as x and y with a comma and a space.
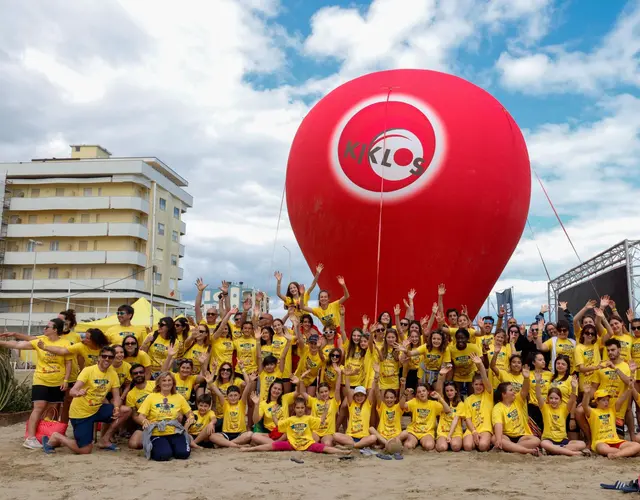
367, 452
619, 485
46, 447
346, 457
111, 447
383, 456
297, 460
398, 456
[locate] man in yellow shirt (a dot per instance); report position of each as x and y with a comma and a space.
116, 334
135, 397
88, 408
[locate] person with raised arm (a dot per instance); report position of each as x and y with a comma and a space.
449, 431
223, 377
541, 377
277, 403
88, 408
479, 407
311, 361
412, 370
561, 344
87, 351
513, 374
554, 415
185, 379
511, 430
583, 317
463, 368
613, 329
329, 312
51, 376
424, 413
204, 424
587, 356
296, 295
270, 368
500, 349
324, 404
222, 341
157, 344
211, 314
197, 345
389, 414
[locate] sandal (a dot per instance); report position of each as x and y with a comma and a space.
384, 456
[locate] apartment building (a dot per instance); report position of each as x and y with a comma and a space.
92, 231
238, 292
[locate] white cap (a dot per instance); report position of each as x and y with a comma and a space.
359, 390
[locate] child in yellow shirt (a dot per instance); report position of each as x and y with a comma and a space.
205, 423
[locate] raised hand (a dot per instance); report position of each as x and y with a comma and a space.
590, 304
412, 293
294, 380
563, 305
464, 310
200, 285
396, 310
257, 333
365, 320
612, 304
224, 286
574, 382
441, 289
255, 398
630, 315
476, 359
233, 311
172, 350
544, 308
445, 369
259, 297
526, 371
246, 305
253, 376
599, 312
301, 289
605, 300
278, 275
502, 311
319, 268
208, 377
341, 280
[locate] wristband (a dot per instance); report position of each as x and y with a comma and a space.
66, 381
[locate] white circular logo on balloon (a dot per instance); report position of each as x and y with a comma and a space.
387, 144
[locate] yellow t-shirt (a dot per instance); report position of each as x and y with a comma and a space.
184, 386
603, 426
610, 381
299, 301
116, 334
123, 372
266, 411
563, 346
389, 372
266, 379
50, 368
299, 430
635, 354
158, 352
135, 397
479, 407
626, 343
238, 382
502, 361
433, 358
484, 340
359, 416
142, 359
194, 353
73, 338
155, 408
514, 418
515, 379
564, 386
587, 356
463, 367
330, 315
201, 422
390, 420
245, 348
423, 417
555, 422
97, 384
330, 376
234, 417
355, 363
90, 356
278, 343
446, 420
221, 351
544, 386
317, 410
308, 361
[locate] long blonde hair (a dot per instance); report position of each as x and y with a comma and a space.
162, 375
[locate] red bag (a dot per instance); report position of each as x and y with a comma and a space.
48, 425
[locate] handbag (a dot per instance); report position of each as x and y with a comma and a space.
48, 425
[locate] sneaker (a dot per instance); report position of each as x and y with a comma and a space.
32, 444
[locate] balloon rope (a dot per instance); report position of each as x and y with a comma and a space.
533, 235
384, 148
275, 239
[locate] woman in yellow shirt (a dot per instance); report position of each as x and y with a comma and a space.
157, 344
197, 346
541, 376
463, 368
359, 404
434, 353
479, 407
412, 367
509, 416
554, 414
424, 414
222, 343
122, 368
296, 295
185, 379
329, 312
388, 358
330, 370
354, 356
449, 432
502, 351
133, 355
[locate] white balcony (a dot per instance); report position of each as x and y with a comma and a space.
77, 285
93, 257
80, 203
181, 251
128, 229
183, 227
81, 230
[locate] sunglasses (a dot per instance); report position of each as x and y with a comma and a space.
211, 314
335, 355
403, 323
563, 329
535, 330
162, 324
130, 343
589, 332
380, 330
137, 373
330, 332
488, 322
106, 356
635, 328
225, 369
202, 331
120, 313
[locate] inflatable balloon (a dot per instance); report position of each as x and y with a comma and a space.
406, 179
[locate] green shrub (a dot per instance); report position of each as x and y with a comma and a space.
14, 397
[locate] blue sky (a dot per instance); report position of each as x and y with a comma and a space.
218, 89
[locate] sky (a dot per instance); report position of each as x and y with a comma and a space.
217, 89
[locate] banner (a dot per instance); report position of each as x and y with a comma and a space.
505, 298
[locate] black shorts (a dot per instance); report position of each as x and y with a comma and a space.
231, 435
219, 425
46, 393
562, 443
204, 444
513, 439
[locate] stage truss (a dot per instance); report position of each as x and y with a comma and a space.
626, 253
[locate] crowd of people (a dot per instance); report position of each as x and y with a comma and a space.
240, 378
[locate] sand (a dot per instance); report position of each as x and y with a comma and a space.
125, 475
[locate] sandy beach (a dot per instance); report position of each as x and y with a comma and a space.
126, 475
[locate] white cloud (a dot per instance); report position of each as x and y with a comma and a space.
559, 69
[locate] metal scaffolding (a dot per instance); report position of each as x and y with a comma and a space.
624, 254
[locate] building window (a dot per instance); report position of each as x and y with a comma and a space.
35, 192
159, 253
99, 191
48, 307
31, 246
160, 228
176, 212
53, 273
95, 245
14, 219
77, 148
27, 273
83, 246
174, 260
57, 219
136, 219
54, 246
163, 204
174, 236
33, 219
158, 278
88, 192
84, 218
25, 307
59, 191
97, 217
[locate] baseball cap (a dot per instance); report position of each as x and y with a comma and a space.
601, 393
359, 390
313, 338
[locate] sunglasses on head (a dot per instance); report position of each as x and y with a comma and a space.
107, 356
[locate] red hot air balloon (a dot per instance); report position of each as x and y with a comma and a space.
406, 179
